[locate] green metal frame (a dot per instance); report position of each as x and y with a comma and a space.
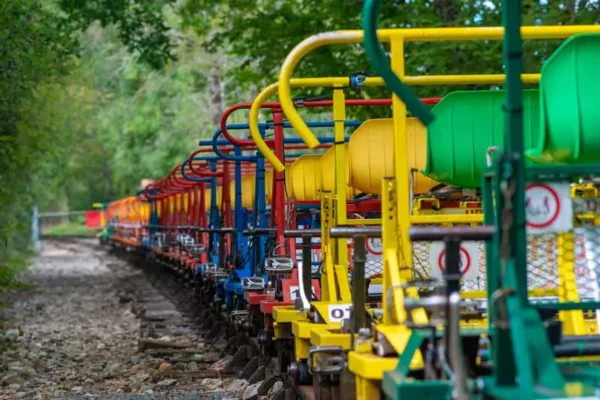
524, 362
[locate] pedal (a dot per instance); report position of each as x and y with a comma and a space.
186, 240
326, 360
253, 283
220, 274
238, 317
197, 250
279, 265
208, 268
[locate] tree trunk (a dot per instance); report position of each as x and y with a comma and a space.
216, 92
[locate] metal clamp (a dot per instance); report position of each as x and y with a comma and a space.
278, 265
333, 362
253, 283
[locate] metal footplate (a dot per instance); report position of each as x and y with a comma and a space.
197, 250
253, 283
279, 265
326, 360
186, 240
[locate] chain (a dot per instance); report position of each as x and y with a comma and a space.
508, 190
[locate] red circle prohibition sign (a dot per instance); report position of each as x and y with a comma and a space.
462, 251
554, 195
370, 249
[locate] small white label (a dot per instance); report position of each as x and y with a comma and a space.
375, 290
295, 293
338, 312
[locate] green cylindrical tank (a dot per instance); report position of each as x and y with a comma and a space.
570, 110
467, 124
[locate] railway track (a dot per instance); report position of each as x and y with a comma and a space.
169, 308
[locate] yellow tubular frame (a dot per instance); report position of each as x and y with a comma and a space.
334, 82
397, 246
397, 38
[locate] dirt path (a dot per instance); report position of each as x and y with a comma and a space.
75, 335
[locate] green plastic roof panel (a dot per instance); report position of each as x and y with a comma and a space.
570, 108
466, 124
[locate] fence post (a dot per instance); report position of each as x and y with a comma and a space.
35, 229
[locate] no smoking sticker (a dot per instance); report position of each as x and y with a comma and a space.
469, 259
548, 207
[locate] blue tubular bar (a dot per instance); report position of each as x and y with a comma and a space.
238, 213
236, 157
260, 213
191, 178
215, 143
214, 215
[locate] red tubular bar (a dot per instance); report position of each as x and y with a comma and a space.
307, 104
172, 184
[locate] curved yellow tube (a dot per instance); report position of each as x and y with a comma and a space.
294, 83
254, 131
408, 35
287, 69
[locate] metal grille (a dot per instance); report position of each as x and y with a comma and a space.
586, 252
374, 263
568, 261
427, 262
542, 271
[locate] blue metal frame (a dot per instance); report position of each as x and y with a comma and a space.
252, 254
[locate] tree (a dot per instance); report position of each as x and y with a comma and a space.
141, 25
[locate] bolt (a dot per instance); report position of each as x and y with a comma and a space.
293, 370
364, 333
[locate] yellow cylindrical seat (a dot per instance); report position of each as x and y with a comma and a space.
248, 186
328, 172
303, 180
371, 154
207, 197
268, 185
269, 175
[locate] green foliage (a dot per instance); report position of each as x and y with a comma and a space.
262, 33
72, 229
141, 26
141, 121
35, 52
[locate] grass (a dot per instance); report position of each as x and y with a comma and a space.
71, 229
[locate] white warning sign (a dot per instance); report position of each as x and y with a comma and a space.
548, 208
374, 246
469, 260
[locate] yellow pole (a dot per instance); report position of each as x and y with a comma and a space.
401, 168
341, 245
